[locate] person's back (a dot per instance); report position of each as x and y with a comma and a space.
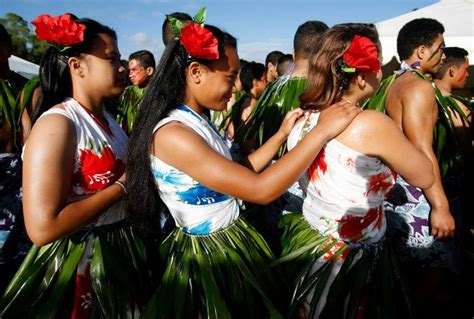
422, 220
401, 91
343, 224
283, 94
412, 104
346, 184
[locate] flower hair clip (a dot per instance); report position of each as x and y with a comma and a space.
61, 31
198, 41
362, 55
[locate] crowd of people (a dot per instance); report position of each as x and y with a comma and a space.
206, 186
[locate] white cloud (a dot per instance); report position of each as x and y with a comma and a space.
139, 37
257, 51
141, 41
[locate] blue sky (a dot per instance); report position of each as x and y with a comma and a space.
259, 25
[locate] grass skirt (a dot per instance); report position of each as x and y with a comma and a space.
334, 280
224, 274
44, 286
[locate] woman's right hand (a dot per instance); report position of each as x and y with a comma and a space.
336, 118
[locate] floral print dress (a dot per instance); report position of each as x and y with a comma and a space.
342, 226
196, 209
81, 279
215, 261
344, 190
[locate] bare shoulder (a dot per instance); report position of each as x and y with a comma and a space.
409, 84
52, 137
368, 125
415, 94
175, 138
53, 125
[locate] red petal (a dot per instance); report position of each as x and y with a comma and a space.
59, 30
199, 42
362, 55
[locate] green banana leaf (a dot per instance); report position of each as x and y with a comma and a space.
466, 102
28, 91
233, 112
280, 97
129, 106
9, 104
365, 272
44, 285
446, 144
377, 101
57, 291
220, 275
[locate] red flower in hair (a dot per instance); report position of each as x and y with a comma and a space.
59, 30
362, 55
199, 42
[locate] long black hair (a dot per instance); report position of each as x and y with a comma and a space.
164, 92
55, 78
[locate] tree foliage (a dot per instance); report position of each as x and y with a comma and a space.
24, 42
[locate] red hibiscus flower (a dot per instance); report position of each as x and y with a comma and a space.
98, 171
362, 55
351, 227
59, 30
380, 183
199, 42
319, 162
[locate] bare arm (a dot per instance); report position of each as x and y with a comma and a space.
47, 174
419, 117
263, 155
180, 147
378, 135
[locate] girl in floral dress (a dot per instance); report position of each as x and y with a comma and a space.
216, 263
86, 261
334, 252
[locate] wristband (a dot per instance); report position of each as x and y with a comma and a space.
122, 186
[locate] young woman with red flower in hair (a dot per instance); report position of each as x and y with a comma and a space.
334, 252
86, 261
216, 263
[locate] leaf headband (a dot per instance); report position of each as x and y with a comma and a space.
198, 41
61, 31
362, 55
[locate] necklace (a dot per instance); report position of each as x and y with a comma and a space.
350, 102
102, 125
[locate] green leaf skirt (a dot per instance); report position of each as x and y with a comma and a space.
44, 286
225, 274
331, 279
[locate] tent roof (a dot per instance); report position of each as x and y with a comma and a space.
456, 16
23, 67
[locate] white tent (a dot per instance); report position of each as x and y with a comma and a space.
23, 67
456, 16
